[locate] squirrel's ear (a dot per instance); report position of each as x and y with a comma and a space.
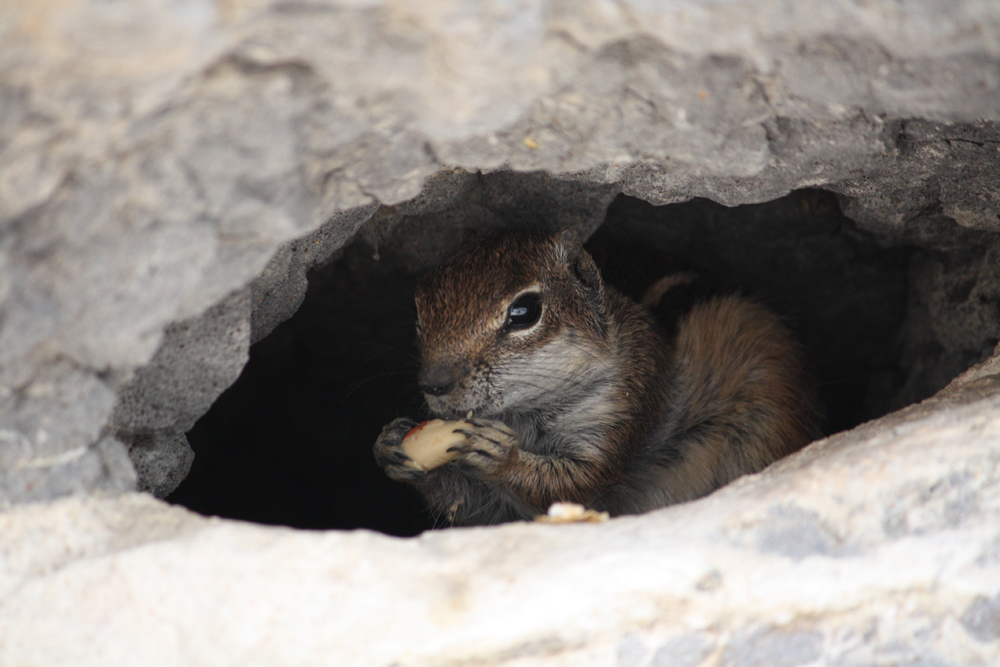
569, 250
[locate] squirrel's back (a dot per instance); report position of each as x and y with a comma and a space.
739, 399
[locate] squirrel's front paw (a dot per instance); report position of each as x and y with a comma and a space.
490, 447
389, 452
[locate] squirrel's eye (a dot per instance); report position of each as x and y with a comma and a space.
524, 312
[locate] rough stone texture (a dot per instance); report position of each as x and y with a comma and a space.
422, 233
875, 546
158, 155
160, 403
161, 462
170, 169
51, 444
953, 316
214, 345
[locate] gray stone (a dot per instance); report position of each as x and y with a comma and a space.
770, 648
278, 291
52, 443
170, 171
794, 532
103, 468
982, 618
631, 651
164, 395
421, 239
161, 462
197, 360
685, 651
226, 155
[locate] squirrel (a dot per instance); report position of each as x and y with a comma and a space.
574, 392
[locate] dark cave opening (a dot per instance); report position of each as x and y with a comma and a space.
290, 442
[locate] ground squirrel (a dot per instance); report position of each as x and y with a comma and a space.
577, 393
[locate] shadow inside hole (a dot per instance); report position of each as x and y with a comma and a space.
841, 293
290, 442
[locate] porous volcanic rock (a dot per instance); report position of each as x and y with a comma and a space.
164, 162
171, 169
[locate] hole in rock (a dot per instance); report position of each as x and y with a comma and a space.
290, 442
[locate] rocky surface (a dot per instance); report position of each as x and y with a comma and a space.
876, 546
171, 169
157, 157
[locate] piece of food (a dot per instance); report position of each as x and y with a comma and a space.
427, 443
571, 513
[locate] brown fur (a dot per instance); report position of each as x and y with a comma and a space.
594, 404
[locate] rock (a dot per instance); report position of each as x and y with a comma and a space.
192, 149
170, 171
161, 462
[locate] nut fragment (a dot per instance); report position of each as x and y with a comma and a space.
427, 443
571, 513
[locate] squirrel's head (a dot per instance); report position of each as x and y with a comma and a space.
511, 321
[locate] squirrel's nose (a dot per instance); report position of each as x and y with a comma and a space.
437, 380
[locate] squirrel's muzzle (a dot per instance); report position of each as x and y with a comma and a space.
438, 380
